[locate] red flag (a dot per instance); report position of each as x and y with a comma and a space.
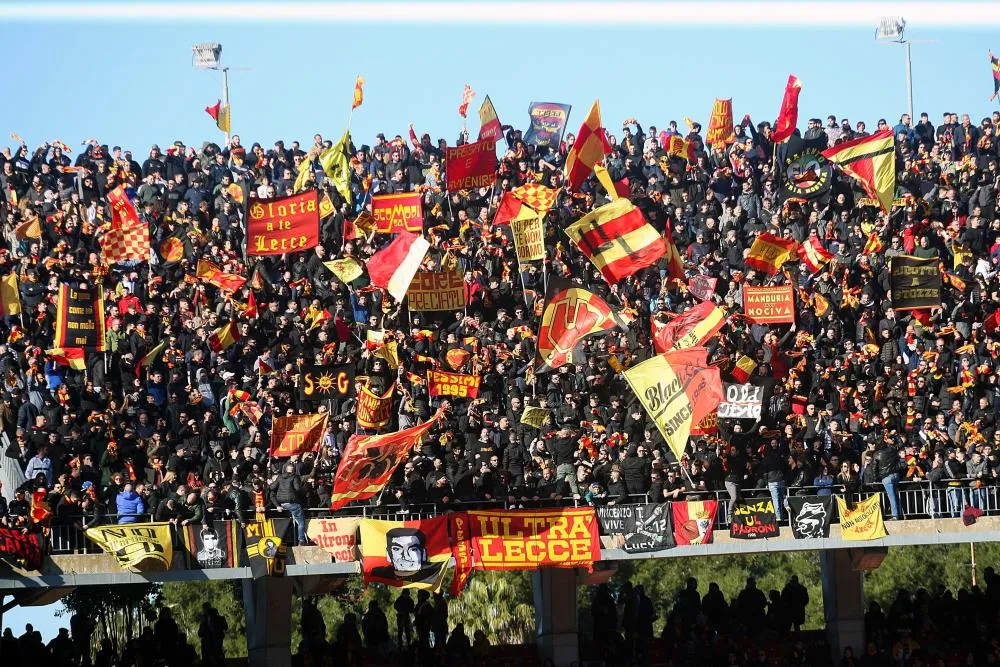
510, 207
813, 254
369, 462
213, 111
788, 117
251, 310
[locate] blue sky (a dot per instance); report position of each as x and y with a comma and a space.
133, 84
130, 82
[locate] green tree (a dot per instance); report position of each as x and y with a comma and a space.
185, 601
497, 603
119, 613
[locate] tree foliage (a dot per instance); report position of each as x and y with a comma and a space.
118, 613
497, 603
185, 601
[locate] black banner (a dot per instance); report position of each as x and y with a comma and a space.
753, 519
810, 516
321, 383
803, 172
916, 282
267, 546
636, 528
80, 318
211, 545
22, 549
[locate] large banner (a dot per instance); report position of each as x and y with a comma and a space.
636, 528
529, 238
769, 305
753, 519
528, 539
20, 548
720, 123
741, 401
337, 537
211, 545
80, 318
283, 224
440, 383
810, 516
405, 554
267, 546
374, 410
803, 170
916, 282
863, 521
321, 383
297, 434
694, 521
146, 547
471, 166
398, 212
436, 290
547, 123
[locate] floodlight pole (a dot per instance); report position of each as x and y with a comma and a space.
225, 95
909, 82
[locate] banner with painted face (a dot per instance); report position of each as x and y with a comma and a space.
810, 516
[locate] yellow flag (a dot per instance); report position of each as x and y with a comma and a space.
534, 416
304, 168
146, 547
10, 299
960, 252
605, 179
389, 353
223, 121
863, 522
346, 268
337, 166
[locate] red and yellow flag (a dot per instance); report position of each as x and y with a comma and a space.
359, 93
467, 94
590, 148
873, 245
677, 390
872, 162
224, 337
369, 462
489, 123
617, 239
744, 368
297, 434
813, 254
570, 315
769, 252
29, 229
74, 357
689, 329
538, 197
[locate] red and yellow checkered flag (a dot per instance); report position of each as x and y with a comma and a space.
126, 243
538, 197
590, 148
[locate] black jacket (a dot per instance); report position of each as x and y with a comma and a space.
286, 488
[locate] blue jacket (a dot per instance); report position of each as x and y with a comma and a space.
130, 505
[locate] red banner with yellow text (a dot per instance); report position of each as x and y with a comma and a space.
374, 410
398, 212
528, 539
440, 383
471, 166
283, 224
297, 434
769, 305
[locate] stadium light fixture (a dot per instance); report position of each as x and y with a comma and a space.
891, 29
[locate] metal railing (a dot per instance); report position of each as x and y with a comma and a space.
916, 500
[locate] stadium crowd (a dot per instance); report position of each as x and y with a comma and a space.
855, 393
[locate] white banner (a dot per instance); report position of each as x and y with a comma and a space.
742, 401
